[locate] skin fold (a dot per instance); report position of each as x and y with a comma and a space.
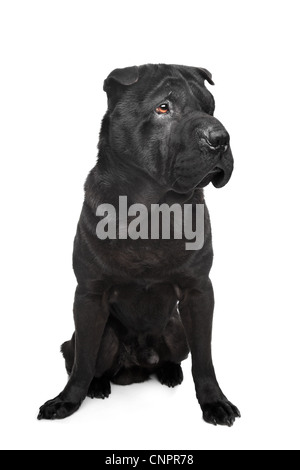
142, 305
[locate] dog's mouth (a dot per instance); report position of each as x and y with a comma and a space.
189, 177
216, 176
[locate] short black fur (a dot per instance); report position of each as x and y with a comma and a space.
141, 305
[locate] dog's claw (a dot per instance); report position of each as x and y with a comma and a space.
236, 411
99, 388
57, 409
170, 374
221, 412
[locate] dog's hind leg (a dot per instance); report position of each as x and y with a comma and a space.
131, 375
170, 374
68, 352
99, 387
174, 351
107, 357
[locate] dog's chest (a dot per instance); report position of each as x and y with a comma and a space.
143, 307
152, 258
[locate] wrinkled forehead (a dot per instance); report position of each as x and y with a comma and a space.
158, 82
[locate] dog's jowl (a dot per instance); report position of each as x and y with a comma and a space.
144, 302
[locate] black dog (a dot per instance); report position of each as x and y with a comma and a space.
142, 304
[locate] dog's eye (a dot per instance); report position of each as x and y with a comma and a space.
162, 108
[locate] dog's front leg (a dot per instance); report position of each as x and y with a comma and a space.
196, 310
90, 315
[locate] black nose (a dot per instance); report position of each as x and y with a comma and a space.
217, 138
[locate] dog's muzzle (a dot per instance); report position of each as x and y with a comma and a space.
207, 158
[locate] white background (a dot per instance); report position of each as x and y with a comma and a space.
54, 58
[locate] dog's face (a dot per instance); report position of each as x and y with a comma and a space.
160, 119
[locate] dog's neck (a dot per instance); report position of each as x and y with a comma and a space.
112, 175
194, 196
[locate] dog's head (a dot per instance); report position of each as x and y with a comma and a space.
160, 119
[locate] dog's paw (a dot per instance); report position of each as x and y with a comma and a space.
220, 412
170, 374
99, 388
57, 409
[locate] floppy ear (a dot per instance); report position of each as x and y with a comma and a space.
127, 76
206, 75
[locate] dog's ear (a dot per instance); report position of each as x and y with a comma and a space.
124, 77
206, 75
